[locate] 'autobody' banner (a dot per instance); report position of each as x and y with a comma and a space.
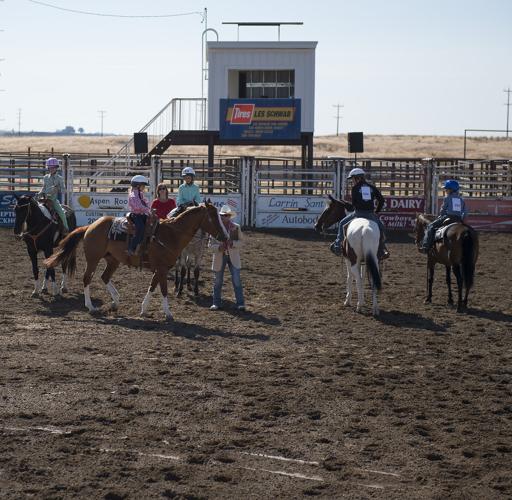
257, 119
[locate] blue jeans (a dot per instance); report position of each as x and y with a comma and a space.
140, 222
235, 278
358, 213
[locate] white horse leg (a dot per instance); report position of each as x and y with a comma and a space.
64, 284
356, 271
44, 285
35, 292
165, 305
52, 287
114, 294
375, 304
145, 302
88, 303
348, 297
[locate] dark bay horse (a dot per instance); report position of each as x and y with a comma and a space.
40, 234
171, 236
457, 251
362, 244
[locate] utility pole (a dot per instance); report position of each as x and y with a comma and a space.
102, 114
19, 121
508, 91
338, 116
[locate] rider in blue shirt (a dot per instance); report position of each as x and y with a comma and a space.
453, 210
188, 192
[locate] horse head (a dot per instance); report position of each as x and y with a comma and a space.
333, 212
22, 209
422, 221
212, 223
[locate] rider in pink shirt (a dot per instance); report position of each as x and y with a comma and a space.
139, 208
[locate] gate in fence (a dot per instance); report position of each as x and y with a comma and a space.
273, 193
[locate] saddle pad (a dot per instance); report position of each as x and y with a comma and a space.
442, 231
119, 229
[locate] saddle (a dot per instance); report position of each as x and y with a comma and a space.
46, 205
441, 232
123, 228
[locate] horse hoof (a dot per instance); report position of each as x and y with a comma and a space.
169, 318
427, 301
63, 290
113, 306
34, 294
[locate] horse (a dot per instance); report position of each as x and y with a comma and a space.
362, 243
457, 251
41, 234
170, 238
191, 257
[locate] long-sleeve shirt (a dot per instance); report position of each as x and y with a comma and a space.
363, 196
137, 203
52, 185
453, 205
188, 193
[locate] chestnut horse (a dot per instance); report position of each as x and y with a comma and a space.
171, 237
362, 245
457, 251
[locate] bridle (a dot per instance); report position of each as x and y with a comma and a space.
28, 234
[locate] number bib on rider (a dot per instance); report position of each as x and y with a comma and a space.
456, 205
366, 193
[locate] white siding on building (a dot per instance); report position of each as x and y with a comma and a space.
226, 56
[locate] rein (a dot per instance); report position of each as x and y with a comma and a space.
33, 237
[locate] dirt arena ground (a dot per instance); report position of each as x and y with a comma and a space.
297, 397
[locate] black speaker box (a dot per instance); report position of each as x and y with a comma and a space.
140, 142
355, 142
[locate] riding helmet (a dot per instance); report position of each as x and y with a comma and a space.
356, 172
52, 163
138, 180
188, 171
452, 184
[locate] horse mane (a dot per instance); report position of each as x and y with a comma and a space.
180, 216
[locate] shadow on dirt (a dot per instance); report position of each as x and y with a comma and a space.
409, 320
491, 315
177, 328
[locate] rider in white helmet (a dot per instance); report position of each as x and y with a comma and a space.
188, 192
364, 195
53, 185
139, 209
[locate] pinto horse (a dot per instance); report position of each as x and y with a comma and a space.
362, 243
33, 224
171, 237
457, 251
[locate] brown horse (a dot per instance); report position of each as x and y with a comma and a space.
171, 236
457, 251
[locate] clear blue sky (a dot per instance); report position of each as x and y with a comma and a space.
397, 66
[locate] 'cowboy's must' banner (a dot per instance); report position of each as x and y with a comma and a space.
255, 119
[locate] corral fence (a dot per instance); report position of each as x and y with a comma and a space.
273, 192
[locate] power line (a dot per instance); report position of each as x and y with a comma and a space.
338, 116
102, 114
508, 91
101, 14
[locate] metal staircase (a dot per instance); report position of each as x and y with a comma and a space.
178, 114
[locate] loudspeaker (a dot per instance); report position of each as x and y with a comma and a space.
355, 142
140, 142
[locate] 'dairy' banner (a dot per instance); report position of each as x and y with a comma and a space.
259, 119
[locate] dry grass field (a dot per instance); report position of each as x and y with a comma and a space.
376, 146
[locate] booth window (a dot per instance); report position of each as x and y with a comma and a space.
266, 83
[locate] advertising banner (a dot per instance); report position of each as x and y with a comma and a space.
7, 201
91, 206
399, 212
293, 212
489, 214
259, 119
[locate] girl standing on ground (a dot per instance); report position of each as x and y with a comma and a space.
162, 204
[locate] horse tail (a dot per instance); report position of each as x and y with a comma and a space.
373, 270
65, 253
371, 261
468, 258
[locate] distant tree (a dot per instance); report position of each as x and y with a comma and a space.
68, 130
81, 130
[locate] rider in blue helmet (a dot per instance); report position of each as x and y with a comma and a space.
453, 210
